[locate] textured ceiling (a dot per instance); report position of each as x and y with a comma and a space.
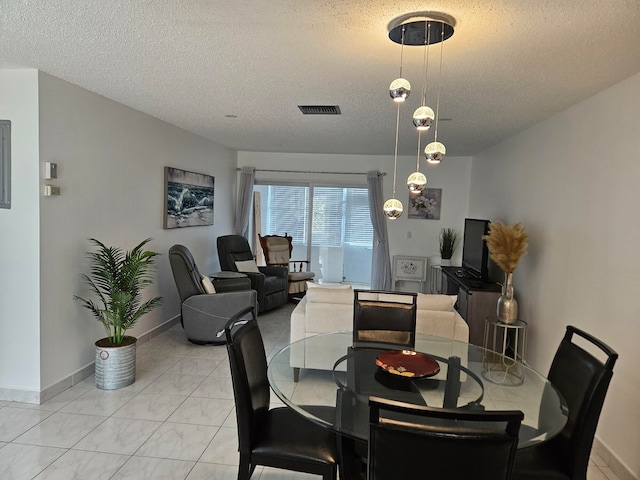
196, 63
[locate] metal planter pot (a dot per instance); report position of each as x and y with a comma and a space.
115, 366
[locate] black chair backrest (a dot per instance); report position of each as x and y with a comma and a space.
248, 364
390, 320
232, 249
185, 272
409, 441
583, 381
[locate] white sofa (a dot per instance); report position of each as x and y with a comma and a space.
327, 309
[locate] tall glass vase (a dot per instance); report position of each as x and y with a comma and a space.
507, 308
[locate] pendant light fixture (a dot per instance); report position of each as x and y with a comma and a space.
393, 207
417, 181
400, 88
435, 151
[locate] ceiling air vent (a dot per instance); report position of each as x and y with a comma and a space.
319, 109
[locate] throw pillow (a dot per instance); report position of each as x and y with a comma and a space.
247, 266
207, 284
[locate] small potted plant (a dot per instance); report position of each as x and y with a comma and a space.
448, 243
117, 279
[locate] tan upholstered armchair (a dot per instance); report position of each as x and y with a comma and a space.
277, 252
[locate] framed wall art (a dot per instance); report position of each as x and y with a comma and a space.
426, 205
188, 198
409, 268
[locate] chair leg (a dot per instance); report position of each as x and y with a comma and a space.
245, 469
330, 474
296, 374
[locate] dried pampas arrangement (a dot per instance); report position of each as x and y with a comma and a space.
506, 244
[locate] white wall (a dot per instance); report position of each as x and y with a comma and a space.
453, 176
110, 160
19, 240
572, 180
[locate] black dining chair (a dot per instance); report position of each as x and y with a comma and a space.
278, 437
583, 380
409, 441
383, 318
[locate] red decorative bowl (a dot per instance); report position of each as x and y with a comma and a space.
407, 363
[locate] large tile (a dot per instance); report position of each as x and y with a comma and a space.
118, 435
60, 430
144, 468
156, 362
215, 387
175, 384
15, 421
23, 462
269, 473
223, 448
77, 464
178, 441
150, 406
210, 471
59, 401
98, 402
194, 366
203, 411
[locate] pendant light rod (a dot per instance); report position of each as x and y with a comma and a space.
439, 86
395, 155
418, 155
425, 62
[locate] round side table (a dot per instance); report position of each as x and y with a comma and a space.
504, 345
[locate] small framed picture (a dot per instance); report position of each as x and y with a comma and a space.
410, 268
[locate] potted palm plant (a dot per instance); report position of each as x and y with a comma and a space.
117, 279
448, 243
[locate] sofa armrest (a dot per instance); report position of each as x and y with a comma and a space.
275, 271
460, 328
204, 316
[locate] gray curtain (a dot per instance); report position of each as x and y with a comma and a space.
380, 262
245, 194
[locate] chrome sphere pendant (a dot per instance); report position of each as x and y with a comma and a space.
392, 208
399, 89
416, 182
423, 118
435, 152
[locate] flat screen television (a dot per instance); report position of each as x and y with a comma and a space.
475, 254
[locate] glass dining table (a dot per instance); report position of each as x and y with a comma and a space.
466, 377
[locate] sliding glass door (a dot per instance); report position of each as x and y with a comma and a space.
330, 225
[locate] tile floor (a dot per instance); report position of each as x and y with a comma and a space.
177, 421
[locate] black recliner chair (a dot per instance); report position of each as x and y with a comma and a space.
205, 315
271, 283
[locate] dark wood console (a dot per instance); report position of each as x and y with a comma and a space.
476, 299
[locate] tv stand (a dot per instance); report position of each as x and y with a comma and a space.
477, 299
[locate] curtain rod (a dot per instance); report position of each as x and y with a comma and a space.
310, 171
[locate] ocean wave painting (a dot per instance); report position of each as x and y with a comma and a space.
189, 198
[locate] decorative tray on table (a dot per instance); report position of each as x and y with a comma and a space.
407, 363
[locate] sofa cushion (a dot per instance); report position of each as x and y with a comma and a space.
441, 303
247, 266
207, 284
342, 294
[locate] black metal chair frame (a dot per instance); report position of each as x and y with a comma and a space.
583, 381
457, 442
306, 447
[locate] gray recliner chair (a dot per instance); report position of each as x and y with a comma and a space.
271, 283
205, 315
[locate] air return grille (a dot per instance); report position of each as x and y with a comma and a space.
319, 109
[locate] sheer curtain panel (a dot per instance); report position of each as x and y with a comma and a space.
245, 192
380, 261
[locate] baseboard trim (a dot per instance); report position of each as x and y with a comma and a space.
26, 396
615, 464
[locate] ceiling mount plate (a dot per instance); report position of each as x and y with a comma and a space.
418, 28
